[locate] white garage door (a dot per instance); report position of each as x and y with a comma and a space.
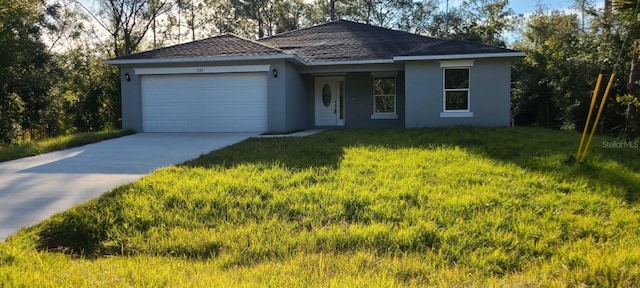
204, 102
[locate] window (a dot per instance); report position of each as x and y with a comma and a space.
456, 99
384, 95
456, 90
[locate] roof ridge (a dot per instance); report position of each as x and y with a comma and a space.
208, 39
172, 46
478, 43
299, 29
258, 43
348, 21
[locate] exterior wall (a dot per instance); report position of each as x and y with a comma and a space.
359, 100
131, 100
419, 95
490, 94
276, 101
131, 93
296, 102
286, 98
309, 96
359, 104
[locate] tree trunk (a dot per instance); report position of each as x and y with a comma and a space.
155, 42
127, 42
193, 22
607, 18
631, 125
260, 29
332, 10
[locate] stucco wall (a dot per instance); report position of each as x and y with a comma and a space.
131, 100
359, 104
359, 100
490, 90
276, 101
419, 95
296, 101
286, 101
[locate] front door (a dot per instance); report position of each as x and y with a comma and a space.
329, 101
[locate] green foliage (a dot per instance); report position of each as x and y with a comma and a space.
89, 93
128, 22
31, 148
25, 70
434, 207
483, 21
554, 83
44, 95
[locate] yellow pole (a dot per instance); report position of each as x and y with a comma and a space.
595, 124
586, 125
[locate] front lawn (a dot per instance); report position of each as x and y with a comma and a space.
31, 148
354, 208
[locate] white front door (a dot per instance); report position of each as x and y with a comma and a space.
329, 101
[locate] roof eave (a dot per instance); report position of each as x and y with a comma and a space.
461, 56
202, 59
296, 58
351, 62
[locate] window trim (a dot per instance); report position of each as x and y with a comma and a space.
385, 115
462, 112
456, 63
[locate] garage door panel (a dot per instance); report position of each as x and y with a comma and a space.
205, 103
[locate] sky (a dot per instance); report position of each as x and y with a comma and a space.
529, 6
524, 6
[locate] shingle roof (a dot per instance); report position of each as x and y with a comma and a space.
336, 41
452, 47
218, 46
348, 41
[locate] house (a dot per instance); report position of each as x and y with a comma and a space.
340, 73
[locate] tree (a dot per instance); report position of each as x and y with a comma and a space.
483, 21
415, 17
627, 10
127, 21
205, 18
554, 82
406, 15
289, 15
255, 11
64, 25
552, 76
585, 7
271, 16
25, 70
84, 92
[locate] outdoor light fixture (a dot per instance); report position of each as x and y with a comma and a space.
127, 77
275, 73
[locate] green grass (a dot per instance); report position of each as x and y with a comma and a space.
356, 208
30, 148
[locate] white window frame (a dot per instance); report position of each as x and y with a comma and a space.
385, 115
455, 64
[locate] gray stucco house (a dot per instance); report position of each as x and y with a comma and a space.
340, 73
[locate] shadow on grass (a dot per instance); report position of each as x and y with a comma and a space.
541, 150
324, 149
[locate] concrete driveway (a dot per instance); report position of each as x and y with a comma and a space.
34, 188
